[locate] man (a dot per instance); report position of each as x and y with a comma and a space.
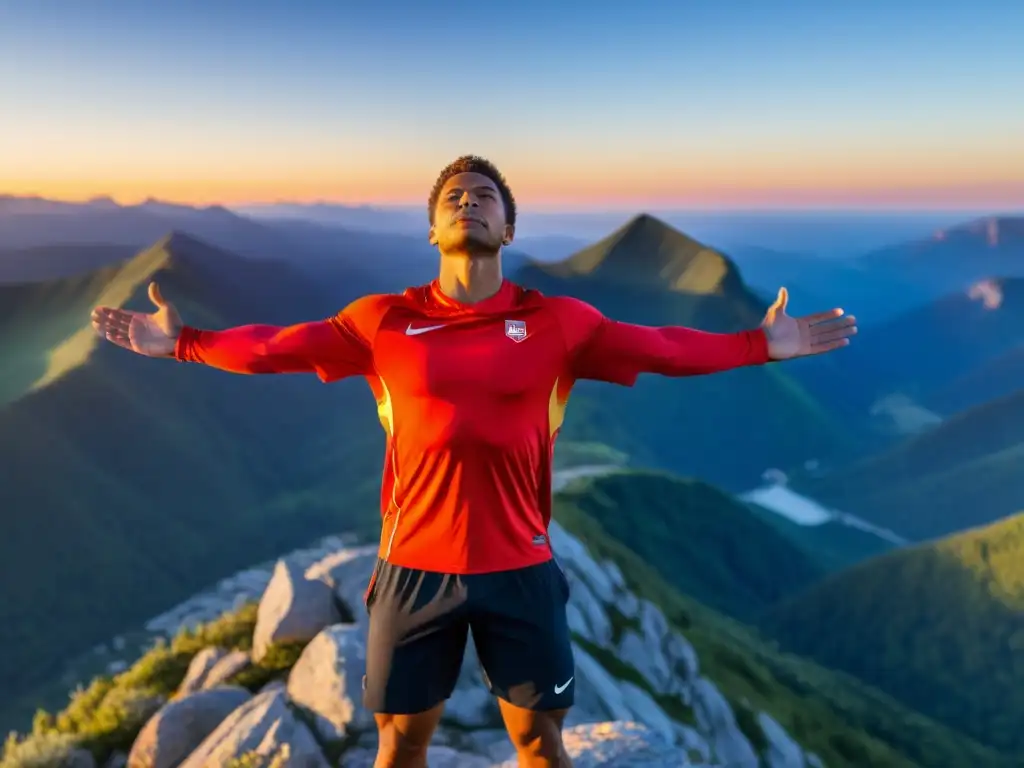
471, 375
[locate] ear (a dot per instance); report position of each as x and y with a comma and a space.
510, 234
432, 236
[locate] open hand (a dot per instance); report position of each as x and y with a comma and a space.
153, 335
790, 337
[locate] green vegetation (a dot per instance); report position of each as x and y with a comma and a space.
831, 545
844, 721
937, 625
703, 542
106, 716
963, 473
132, 484
279, 759
647, 272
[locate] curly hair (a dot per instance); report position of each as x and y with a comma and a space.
474, 164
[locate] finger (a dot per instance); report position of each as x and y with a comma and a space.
845, 321
156, 296
817, 349
832, 335
111, 319
120, 339
781, 300
112, 314
822, 317
842, 324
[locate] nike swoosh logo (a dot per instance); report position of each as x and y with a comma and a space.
563, 686
410, 331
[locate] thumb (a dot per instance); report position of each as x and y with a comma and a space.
782, 299
156, 297
775, 307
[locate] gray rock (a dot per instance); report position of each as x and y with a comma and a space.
347, 573
265, 725
292, 609
598, 695
586, 614
199, 668
179, 727
492, 743
645, 655
274, 685
682, 658
327, 680
782, 751
617, 745
573, 554
647, 712
226, 667
717, 722
437, 757
471, 704
692, 743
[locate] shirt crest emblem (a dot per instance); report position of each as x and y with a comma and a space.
515, 330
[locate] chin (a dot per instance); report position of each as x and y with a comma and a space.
475, 246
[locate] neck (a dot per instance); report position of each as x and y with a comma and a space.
470, 280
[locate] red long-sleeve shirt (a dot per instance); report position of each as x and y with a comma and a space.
471, 398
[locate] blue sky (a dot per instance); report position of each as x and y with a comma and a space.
352, 101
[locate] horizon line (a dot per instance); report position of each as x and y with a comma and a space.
1011, 210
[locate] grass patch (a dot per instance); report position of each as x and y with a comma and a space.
107, 715
746, 721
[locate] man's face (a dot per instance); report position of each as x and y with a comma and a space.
470, 217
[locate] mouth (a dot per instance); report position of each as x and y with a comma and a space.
467, 221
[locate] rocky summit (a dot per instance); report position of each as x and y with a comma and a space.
641, 699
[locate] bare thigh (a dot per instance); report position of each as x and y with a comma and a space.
404, 739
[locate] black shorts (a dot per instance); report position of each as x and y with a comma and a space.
419, 624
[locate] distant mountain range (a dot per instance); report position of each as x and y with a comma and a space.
960, 474
923, 352
832, 234
41, 239
139, 481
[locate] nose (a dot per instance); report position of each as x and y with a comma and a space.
467, 200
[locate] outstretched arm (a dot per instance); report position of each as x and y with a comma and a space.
609, 350
333, 348
330, 348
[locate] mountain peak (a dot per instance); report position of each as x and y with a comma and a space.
645, 251
995, 230
176, 240
182, 250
